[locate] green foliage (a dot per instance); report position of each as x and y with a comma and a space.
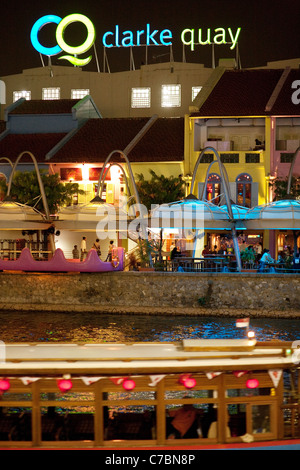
159, 189
25, 189
280, 185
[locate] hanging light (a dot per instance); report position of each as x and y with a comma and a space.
65, 384
4, 385
190, 382
252, 383
187, 381
128, 384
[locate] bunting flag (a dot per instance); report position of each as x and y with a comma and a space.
90, 380
29, 380
155, 379
242, 323
240, 373
212, 375
275, 375
117, 380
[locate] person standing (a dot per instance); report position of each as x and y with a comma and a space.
110, 251
75, 252
83, 251
96, 246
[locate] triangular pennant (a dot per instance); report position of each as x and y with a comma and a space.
212, 375
275, 375
90, 380
29, 380
117, 380
155, 379
240, 373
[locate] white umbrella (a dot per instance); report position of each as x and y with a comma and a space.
17, 216
91, 216
190, 213
282, 215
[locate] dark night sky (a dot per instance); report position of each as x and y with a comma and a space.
270, 29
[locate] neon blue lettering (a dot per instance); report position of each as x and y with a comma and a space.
109, 33
164, 35
150, 36
138, 37
129, 38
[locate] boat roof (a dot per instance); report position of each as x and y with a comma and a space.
43, 359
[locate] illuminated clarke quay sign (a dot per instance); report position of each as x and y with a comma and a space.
118, 38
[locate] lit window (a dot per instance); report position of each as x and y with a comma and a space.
213, 188
21, 94
141, 97
51, 93
243, 188
195, 91
79, 94
171, 96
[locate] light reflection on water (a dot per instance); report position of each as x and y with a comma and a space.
99, 328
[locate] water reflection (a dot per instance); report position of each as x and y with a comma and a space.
68, 327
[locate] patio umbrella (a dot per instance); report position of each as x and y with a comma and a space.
277, 215
17, 216
92, 216
190, 213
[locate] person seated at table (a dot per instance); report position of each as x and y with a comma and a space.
265, 260
296, 262
205, 251
175, 253
183, 420
281, 258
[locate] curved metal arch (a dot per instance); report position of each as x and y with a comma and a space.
224, 176
292, 169
101, 180
225, 180
104, 176
41, 185
8, 160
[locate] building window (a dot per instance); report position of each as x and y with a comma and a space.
213, 188
195, 91
229, 157
243, 190
21, 94
252, 158
207, 158
51, 93
170, 96
286, 157
141, 97
79, 94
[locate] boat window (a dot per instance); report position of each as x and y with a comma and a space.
136, 422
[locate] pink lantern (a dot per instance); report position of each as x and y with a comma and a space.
4, 385
183, 378
189, 382
64, 385
128, 384
252, 383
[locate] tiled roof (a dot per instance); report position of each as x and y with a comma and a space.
283, 104
45, 107
38, 144
247, 93
164, 141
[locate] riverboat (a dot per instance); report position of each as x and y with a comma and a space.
235, 391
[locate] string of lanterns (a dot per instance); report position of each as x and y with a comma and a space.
65, 383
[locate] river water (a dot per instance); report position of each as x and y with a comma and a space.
99, 328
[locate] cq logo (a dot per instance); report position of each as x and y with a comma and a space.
61, 44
